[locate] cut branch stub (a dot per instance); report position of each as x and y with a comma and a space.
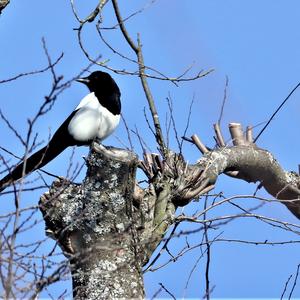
249, 134
95, 224
236, 132
199, 144
219, 135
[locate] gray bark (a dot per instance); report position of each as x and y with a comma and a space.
95, 225
252, 164
109, 227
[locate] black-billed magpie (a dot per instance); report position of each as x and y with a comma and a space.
96, 117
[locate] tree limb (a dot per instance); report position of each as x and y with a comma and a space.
138, 51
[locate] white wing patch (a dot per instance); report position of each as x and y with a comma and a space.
92, 120
89, 99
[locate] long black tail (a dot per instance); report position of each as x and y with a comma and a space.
35, 161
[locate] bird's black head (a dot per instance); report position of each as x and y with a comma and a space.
99, 81
105, 89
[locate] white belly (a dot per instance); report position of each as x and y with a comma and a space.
92, 120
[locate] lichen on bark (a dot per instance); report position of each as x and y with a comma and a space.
109, 226
94, 224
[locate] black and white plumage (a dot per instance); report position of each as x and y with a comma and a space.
96, 117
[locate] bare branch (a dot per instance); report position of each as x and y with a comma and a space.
187, 122
276, 111
199, 144
208, 254
285, 287
138, 51
151, 103
91, 17
162, 249
167, 291
133, 46
224, 101
11, 127
219, 136
49, 66
295, 282
172, 119
131, 15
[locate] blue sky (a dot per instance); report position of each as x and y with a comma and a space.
255, 43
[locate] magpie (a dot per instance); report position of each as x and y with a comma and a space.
96, 117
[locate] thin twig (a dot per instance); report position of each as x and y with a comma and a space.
208, 254
138, 51
295, 282
167, 291
172, 119
151, 103
33, 72
285, 287
128, 132
277, 110
162, 249
187, 122
224, 101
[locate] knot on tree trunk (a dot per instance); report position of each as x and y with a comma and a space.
94, 224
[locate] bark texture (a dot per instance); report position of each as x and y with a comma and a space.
252, 164
109, 226
94, 224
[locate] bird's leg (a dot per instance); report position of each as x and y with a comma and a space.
96, 140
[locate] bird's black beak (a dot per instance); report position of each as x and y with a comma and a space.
84, 80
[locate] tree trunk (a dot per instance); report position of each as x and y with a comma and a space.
94, 224
109, 227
